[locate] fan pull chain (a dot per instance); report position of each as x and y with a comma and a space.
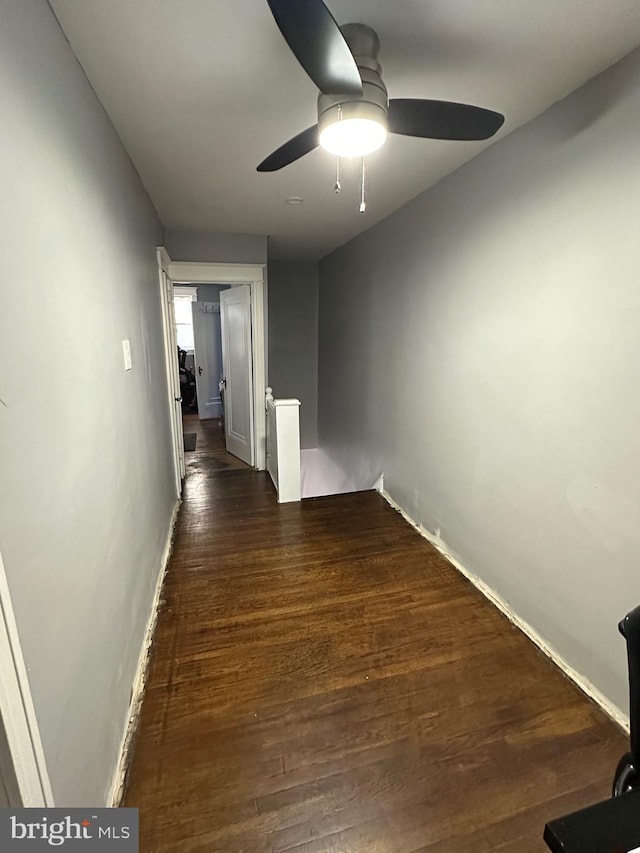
363, 177
337, 186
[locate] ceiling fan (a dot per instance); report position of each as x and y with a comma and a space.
354, 112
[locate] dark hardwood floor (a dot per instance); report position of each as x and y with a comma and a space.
210, 449
323, 680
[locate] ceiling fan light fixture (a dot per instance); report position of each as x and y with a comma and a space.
354, 110
352, 130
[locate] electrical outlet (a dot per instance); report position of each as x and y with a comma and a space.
126, 352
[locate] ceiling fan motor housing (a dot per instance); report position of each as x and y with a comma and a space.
373, 102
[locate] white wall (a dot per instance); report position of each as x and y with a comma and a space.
481, 347
86, 490
293, 340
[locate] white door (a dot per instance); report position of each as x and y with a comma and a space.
171, 361
208, 358
235, 317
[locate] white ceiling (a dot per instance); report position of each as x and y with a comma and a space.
201, 91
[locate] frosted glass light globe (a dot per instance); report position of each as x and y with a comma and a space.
353, 137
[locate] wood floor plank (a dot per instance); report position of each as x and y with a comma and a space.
323, 680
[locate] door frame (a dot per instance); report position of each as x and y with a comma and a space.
193, 272
171, 365
29, 771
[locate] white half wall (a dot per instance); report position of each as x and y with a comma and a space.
481, 348
86, 489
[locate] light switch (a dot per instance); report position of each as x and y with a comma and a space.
126, 352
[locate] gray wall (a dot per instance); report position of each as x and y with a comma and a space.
293, 340
211, 292
86, 491
216, 247
481, 348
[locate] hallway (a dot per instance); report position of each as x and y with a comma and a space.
323, 680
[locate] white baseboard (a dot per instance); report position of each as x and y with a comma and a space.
137, 691
611, 710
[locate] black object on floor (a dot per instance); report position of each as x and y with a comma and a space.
189, 441
612, 826
627, 776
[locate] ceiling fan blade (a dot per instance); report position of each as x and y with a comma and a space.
315, 39
442, 119
291, 150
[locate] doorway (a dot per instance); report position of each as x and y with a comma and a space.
199, 338
220, 276
208, 364
183, 299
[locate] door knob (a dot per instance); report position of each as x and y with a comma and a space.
199, 371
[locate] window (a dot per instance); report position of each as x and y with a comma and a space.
182, 299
